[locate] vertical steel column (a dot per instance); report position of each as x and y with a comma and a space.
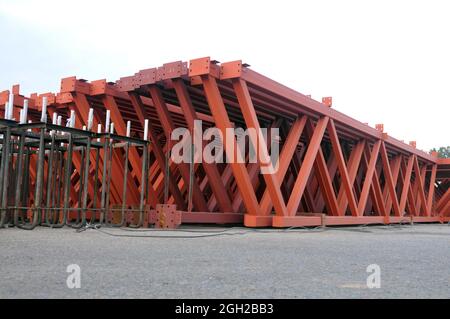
19, 185
48, 205
87, 165
124, 190
96, 171
39, 177
144, 185
67, 175
5, 175
103, 213
109, 172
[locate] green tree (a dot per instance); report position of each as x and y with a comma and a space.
443, 152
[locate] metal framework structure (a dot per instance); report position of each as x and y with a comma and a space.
332, 169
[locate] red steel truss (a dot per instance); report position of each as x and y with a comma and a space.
332, 169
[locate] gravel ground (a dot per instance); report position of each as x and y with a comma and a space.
238, 263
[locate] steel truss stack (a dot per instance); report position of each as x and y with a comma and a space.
332, 169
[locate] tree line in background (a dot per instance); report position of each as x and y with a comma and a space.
443, 152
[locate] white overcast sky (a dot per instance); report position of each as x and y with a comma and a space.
382, 61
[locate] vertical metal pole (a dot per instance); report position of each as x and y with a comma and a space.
5, 175
81, 181
109, 173
57, 191
105, 169
144, 179
39, 175
60, 179
50, 180
97, 164
94, 205
2, 164
124, 190
40, 163
20, 169
86, 181
144, 185
148, 150
146, 162
13, 177
67, 175
26, 178
104, 173
87, 167
125, 175
56, 200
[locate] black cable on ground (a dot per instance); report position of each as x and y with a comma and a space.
233, 231
171, 236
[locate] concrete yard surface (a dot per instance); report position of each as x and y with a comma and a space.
214, 262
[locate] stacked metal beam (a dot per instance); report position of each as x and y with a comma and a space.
332, 169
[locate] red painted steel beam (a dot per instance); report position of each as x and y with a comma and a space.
305, 170
420, 184
239, 170
346, 181
168, 126
406, 185
395, 164
332, 167
214, 177
323, 176
443, 202
369, 178
353, 165
373, 181
285, 158
431, 189
389, 181
307, 104
248, 111
159, 155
